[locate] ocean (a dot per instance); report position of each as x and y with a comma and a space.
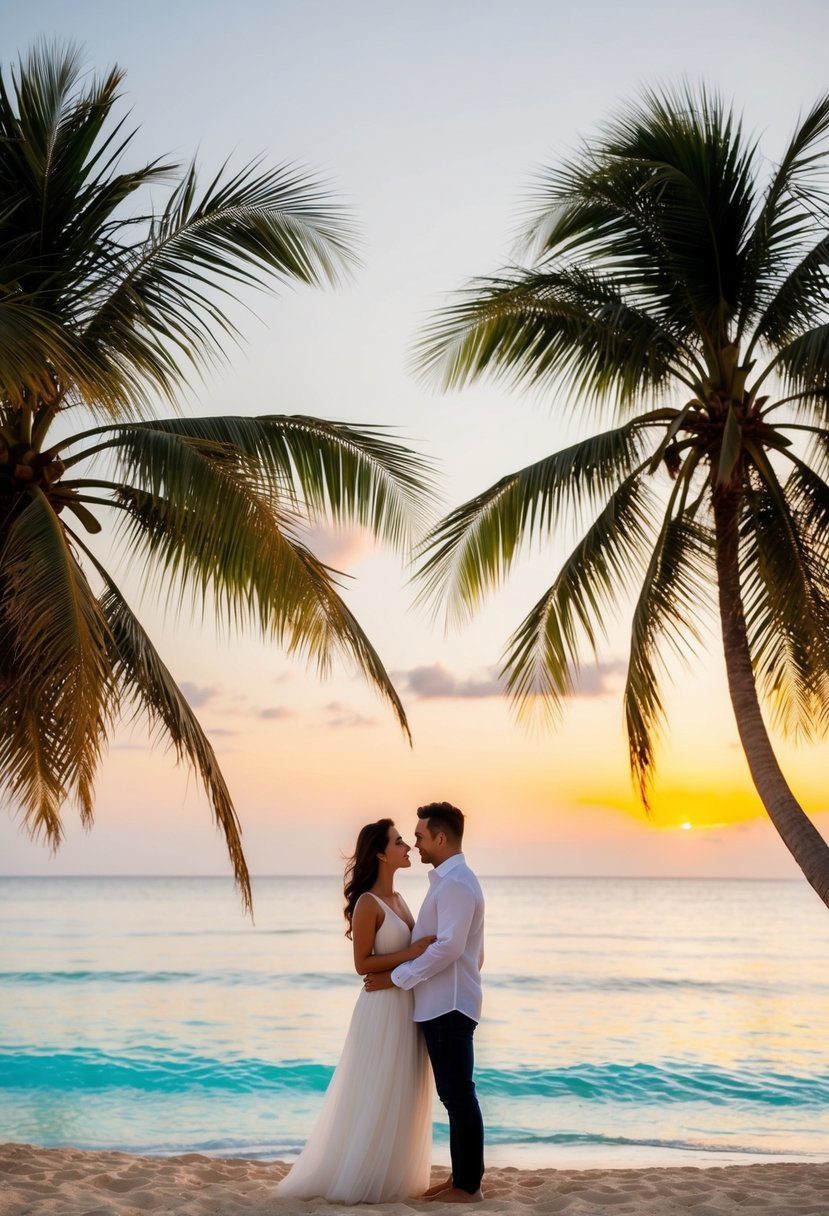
626, 1021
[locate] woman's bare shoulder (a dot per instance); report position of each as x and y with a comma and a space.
369, 903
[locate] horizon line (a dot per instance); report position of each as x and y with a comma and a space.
577, 877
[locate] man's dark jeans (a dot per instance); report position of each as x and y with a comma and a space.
449, 1043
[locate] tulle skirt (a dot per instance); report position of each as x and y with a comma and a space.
373, 1139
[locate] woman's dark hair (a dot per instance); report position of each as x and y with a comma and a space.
363, 867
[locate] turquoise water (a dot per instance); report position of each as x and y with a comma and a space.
625, 1021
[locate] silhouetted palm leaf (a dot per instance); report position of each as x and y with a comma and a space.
671, 601
473, 548
545, 651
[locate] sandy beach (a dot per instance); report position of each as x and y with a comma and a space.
68, 1182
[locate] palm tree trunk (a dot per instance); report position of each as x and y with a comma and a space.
796, 830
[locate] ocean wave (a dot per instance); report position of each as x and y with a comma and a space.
520, 1136
658, 1084
226, 978
154, 1071
563, 982
287, 1148
315, 980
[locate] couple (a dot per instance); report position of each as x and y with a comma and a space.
421, 994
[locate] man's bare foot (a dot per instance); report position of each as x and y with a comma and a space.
455, 1195
437, 1188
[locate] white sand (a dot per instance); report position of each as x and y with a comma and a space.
68, 1182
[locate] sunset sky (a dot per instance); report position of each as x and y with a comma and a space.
430, 119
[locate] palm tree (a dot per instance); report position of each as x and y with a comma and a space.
679, 287
105, 303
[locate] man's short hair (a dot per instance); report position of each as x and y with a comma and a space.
443, 817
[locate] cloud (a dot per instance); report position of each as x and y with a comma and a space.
597, 679
338, 547
436, 681
273, 712
433, 682
198, 694
341, 714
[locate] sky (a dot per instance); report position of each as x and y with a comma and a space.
431, 120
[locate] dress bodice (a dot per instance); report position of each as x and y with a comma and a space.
394, 934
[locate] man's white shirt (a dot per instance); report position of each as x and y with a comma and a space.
447, 975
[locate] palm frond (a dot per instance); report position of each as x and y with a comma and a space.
818, 455
800, 302
138, 293
57, 666
544, 653
563, 327
144, 680
661, 199
31, 348
209, 523
786, 594
780, 294
473, 548
165, 304
353, 475
803, 363
243, 555
30, 764
668, 612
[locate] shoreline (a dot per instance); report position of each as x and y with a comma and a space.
77, 1182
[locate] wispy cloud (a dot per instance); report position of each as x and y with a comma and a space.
434, 681
339, 713
273, 712
596, 679
338, 547
198, 694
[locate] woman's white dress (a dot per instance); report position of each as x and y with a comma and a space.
373, 1139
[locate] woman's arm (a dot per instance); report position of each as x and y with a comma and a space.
367, 919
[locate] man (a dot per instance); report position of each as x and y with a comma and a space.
446, 980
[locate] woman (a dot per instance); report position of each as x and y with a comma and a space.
372, 1142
